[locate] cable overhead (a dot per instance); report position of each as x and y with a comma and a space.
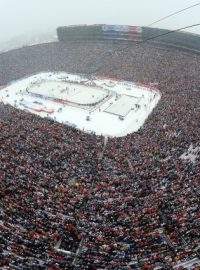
154, 37
144, 41
174, 13
167, 33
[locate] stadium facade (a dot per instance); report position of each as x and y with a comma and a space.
182, 40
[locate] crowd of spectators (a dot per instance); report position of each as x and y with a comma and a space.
126, 203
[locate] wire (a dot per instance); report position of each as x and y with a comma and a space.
144, 41
164, 34
174, 13
154, 37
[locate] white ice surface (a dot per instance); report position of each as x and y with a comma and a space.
192, 154
101, 122
123, 105
68, 91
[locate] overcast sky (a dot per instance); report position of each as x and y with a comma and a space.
19, 17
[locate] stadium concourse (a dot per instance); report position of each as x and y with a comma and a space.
70, 200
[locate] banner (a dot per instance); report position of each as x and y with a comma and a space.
122, 32
121, 28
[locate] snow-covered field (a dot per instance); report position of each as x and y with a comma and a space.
101, 105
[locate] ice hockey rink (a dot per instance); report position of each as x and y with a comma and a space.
99, 105
73, 92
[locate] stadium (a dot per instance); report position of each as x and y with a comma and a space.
78, 197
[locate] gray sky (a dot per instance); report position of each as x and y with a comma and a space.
18, 17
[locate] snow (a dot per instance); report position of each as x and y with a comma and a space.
102, 106
123, 105
191, 155
188, 264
